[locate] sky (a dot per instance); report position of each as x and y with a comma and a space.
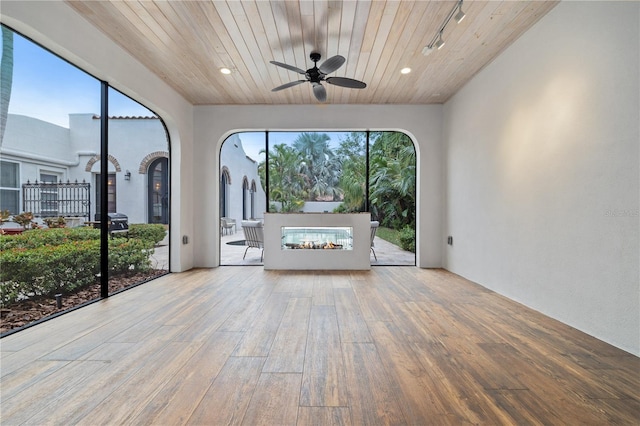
49, 88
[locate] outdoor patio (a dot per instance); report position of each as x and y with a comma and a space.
231, 254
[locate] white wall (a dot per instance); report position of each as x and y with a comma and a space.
240, 166
57, 27
213, 124
542, 171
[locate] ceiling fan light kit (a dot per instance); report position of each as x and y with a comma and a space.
317, 75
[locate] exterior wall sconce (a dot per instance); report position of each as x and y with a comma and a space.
127, 175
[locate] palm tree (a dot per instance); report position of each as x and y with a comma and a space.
286, 182
320, 165
6, 78
352, 180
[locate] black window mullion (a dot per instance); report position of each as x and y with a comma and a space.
266, 168
366, 175
104, 195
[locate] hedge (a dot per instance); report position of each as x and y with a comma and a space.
152, 232
49, 269
41, 237
408, 239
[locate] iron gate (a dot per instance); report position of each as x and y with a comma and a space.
45, 199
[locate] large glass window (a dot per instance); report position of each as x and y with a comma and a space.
52, 149
138, 188
330, 172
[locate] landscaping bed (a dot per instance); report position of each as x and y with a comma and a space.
39, 264
24, 312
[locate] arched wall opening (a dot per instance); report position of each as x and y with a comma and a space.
422, 123
321, 171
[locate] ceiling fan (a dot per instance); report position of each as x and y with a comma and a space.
317, 75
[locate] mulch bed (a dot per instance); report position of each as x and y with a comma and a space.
28, 311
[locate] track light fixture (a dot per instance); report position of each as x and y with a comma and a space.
437, 41
460, 15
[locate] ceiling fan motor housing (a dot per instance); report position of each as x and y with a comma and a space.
314, 74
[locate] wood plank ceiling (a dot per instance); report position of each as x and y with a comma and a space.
187, 42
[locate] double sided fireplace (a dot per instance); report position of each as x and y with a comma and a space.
317, 241
317, 238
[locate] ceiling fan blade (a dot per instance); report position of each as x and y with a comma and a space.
289, 67
346, 82
332, 64
320, 92
287, 85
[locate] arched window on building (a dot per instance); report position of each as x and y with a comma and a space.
158, 191
253, 199
225, 182
246, 202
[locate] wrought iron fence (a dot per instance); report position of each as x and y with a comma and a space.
46, 199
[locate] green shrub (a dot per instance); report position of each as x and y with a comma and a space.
55, 222
42, 237
46, 262
129, 256
408, 239
152, 232
47, 270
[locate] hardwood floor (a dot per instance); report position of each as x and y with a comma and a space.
240, 345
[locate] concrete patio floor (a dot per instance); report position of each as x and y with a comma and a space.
387, 253
231, 255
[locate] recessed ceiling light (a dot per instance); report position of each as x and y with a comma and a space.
405, 70
225, 70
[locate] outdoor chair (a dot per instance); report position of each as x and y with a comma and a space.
227, 225
253, 236
374, 228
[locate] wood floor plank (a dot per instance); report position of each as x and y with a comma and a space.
373, 307
398, 345
176, 401
340, 279
248, 307
226, 401
472, 402
259, 336
324, 416
274, 401
45, 396
407, 377
287, 352
124, 404
322, 292
353, 327
122, 362
216, 314
323, 381
18, 381
372, 397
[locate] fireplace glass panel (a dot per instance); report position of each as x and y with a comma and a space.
317, 237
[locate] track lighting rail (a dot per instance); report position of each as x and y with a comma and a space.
437, 40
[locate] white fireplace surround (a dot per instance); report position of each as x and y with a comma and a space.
356, 259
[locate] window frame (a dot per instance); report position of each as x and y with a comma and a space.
17, 188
